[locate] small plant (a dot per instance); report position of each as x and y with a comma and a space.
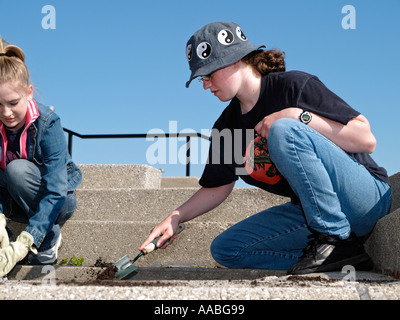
74, 261
63, 261
77, 261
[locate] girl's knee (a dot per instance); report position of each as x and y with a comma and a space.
16, 171
280, 129
22, 175
279, 137
281, 126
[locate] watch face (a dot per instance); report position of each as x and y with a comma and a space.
305, 117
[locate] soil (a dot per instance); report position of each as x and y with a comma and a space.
108, 270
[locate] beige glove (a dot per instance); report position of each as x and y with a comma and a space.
4, 241
15, 252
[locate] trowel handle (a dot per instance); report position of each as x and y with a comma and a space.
153, 245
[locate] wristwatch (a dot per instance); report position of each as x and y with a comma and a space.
305, 117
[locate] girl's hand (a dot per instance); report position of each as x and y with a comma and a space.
263, 127
355, 136
166, 229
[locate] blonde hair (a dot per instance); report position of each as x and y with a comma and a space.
12, 65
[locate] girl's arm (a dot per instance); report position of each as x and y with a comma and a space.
204, 200
355, 136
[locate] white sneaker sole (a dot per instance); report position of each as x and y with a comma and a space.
49, 256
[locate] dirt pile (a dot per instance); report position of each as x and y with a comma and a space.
108, 270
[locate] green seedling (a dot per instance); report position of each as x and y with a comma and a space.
74, 261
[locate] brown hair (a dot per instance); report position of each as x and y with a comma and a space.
266, 61
12, 66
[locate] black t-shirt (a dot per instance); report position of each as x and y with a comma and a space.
279, 90
13, 148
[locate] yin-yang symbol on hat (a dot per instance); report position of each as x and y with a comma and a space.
189, 52
240, 34
203, 50
225, 37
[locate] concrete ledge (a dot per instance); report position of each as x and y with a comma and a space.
81, 283
118, 205
316, 287
384, 243
107, 176
110, 241
395, 184
73, 273
112, 223
113, 240
153, 205
180, 182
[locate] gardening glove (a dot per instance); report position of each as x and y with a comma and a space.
4, 241
15, 252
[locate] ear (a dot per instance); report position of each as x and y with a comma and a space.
30, 93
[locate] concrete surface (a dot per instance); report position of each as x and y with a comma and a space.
384, 243
111, 223
105, 176
179, 182
197, 284
115, 215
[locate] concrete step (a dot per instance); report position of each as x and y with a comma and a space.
110, 223
105, 176
206, 285
118, 205
79, 274
153, 205
384, 243
179, 182
110, 241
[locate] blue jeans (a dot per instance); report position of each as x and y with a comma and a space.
337, 194
21, 190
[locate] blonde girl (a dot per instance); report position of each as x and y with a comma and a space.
37, 176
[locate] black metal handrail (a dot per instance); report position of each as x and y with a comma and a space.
140, 135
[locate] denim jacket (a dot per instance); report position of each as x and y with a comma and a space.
46, 147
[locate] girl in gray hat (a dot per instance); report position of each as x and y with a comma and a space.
305, 143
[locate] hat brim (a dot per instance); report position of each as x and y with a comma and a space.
223, 62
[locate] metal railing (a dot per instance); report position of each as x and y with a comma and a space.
71, 134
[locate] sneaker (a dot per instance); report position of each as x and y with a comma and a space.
330, 253
48, 256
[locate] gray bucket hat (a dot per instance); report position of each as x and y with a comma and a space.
215, 46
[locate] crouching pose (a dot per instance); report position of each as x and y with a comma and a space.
37, 177
309, 145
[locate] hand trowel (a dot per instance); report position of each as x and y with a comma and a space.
125, 265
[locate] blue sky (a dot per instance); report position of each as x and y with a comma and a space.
120, 66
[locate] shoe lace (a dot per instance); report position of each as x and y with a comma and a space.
312, 245
311, 249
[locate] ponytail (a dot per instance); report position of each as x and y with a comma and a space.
266, 61
12, 65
